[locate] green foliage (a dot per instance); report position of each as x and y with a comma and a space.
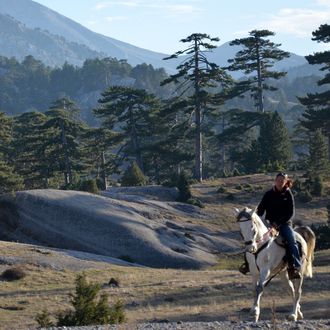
184, 188
195, 80
43, 319
304, 196
133, 176
222, 190
317, 111
322, 233
89, 186
257, 55
89, 311
315, 185
318, 163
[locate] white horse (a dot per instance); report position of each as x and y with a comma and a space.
265, 257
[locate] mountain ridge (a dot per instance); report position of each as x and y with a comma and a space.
37, 16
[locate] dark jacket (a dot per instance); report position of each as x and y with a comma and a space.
279, 206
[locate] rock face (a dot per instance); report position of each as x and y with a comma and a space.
133, 231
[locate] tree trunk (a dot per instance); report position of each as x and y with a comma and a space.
103, 172
260, 96
135, 142
198, 110
67, 172
329, 148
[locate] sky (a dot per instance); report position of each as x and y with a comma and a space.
159, 25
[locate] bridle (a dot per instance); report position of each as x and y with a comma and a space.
247, 217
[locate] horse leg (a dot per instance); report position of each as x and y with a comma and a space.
264, 274
296, 312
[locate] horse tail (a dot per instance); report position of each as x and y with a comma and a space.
309, 236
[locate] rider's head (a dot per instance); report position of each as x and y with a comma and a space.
282, 180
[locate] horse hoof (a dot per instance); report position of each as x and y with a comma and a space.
300, 315
292, 317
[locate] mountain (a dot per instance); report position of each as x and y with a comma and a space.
35, 16
17, 40
49, 27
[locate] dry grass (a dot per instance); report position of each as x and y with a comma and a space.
158, 294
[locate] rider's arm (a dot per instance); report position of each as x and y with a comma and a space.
262, 206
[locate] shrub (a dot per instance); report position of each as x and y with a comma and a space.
88, 311
184, 188
317, 188
305, 196
236, 172
133, 176
322, 233
195, 201
230, 197
13, 274
239, 187
89, 186
221, 190
43, 319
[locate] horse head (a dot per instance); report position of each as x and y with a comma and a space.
250, 227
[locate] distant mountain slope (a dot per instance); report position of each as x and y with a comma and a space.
34, 15
16, 40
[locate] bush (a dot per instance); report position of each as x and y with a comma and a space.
43, 319
239, 187
13, 274
305, 196
89, 186
196, 202
88, 311
133, 176
322, 233
317, 188
236, 172
184, 188
221, 190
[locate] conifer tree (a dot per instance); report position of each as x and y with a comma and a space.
9, 181
131, 112
29, 150
133, 176
99, 149
318, 164
195, 79
255, 60
317, 113
64, 147
274, 142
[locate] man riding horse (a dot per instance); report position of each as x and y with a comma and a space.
278, 203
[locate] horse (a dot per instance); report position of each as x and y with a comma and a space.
265, 256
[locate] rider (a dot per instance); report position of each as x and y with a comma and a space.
278, 203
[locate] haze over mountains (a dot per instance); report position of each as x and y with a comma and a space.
28, 28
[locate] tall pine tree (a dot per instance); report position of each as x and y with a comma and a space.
317, 114
195, 79
255, 60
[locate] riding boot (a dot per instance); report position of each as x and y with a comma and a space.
244, 268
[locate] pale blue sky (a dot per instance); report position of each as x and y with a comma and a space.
158, 25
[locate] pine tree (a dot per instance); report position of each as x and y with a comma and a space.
29, 149
317, 113
255, 59
318, 164
133, 176
99, 150
131, 112
9, 180
274, 143
195, 79
63, 143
